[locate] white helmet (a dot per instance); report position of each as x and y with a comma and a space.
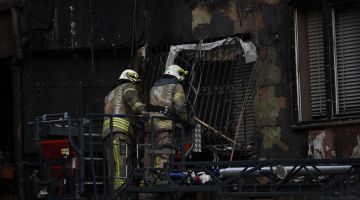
177, 71
130, 75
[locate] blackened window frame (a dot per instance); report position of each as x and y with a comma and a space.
302, 107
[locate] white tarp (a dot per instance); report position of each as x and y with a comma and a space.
248, 47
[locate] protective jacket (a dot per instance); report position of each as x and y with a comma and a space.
168, 98
122, 100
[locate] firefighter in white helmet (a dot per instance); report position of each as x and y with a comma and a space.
167, 99
122, 100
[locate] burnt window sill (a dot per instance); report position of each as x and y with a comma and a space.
323, 123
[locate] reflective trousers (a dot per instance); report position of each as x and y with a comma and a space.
117, 149
162, 141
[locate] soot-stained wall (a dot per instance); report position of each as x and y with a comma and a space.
68, 82
93, 24
269, 23
83, 24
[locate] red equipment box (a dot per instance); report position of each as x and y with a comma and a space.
53, 149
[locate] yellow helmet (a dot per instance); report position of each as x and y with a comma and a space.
130, 75
177, 71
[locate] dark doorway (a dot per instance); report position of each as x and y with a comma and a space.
6, 142
7, 178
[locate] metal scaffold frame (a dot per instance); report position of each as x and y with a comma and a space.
327, 178
335, 178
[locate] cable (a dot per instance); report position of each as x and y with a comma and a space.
246, 96
133, 29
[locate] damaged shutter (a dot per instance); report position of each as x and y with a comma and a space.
240, 75
347, 60
316, 63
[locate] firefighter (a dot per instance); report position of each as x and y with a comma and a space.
167, 99
122, 100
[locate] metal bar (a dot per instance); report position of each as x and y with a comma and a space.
92, 162
221, 94
192, 74
17, 127
213, 129
267, 194
215, 85
297, 63
226, 82
200, 81
82, 162
152, 157
94, 135
330, 170
91, 158
104, 174
167, 189
243, 173
231, 94
289, 162
211, 67
203, 91
216, 97
244, 118
337, 106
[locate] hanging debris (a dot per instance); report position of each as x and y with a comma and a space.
248, 48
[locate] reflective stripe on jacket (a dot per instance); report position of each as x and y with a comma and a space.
123, 100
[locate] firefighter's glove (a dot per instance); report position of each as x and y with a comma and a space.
190, 122
145, 115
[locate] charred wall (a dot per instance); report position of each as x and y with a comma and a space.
63, 37
83, 24
71, 25
269, 23
7, 44
56, 82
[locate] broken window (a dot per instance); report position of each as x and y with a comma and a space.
327, 85
218, 88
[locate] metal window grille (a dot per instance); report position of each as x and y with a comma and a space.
215, 88
347, 60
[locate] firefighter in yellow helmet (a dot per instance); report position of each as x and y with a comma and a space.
122, 100
167, 99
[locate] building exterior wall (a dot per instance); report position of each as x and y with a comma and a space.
69, 32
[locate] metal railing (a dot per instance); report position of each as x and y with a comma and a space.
100, 182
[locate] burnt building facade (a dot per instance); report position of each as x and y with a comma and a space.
64, 56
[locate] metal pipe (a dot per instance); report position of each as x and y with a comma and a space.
213, 130
17, 125
15, 18
92, 164
82, 162
282, 171
298, 85
17, 99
